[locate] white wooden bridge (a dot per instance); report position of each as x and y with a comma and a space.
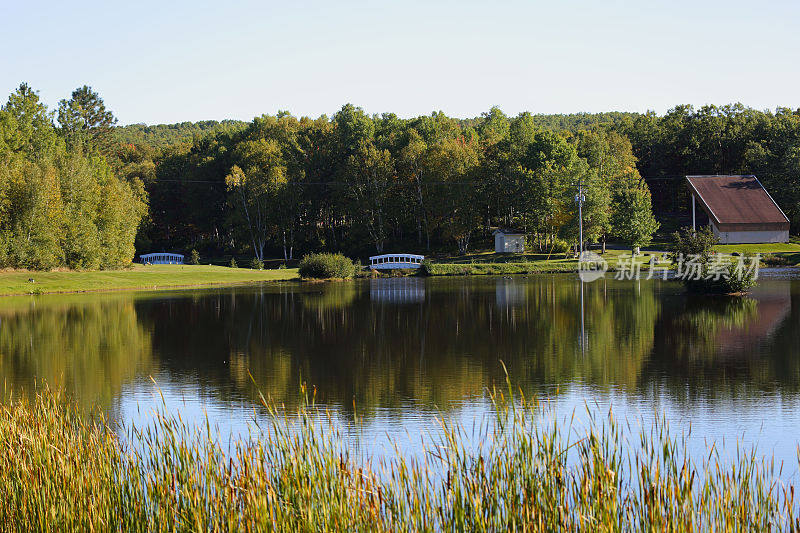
395, 261
161, 259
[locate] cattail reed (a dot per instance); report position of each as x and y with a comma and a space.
61, 470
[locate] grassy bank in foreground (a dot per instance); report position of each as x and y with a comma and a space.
62, 473
137, 277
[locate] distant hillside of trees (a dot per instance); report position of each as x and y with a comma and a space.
581, 121
165, 135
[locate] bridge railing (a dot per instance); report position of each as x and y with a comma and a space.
396, 261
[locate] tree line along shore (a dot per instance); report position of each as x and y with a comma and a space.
79, 192
168, 277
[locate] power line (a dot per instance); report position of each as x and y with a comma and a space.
675, 177
328, 183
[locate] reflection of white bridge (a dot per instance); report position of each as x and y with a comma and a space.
397, 290
395, 261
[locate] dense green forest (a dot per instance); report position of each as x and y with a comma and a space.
361, 184
61, 202
76, 190
166, 135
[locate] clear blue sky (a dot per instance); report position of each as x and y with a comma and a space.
170, 61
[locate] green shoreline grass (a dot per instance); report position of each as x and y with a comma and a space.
491, 263
515, 471
483, 269
750, 249
159, 277
137, 277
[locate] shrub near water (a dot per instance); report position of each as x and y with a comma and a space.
327, 266
476, 269
699, 246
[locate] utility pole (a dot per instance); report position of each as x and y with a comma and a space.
580, 198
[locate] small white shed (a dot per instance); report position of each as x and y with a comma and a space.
509, 241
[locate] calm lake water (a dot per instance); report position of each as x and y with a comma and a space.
403, 351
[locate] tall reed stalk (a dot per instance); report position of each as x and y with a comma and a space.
63, 471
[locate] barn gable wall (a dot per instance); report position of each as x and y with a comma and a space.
750, 237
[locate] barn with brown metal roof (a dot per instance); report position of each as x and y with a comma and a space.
739, 209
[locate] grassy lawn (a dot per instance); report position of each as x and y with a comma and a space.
777, 248
779, 254
489, 262
476, 269
137, 277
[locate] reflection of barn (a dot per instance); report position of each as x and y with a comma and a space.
739, 209
397, 290
773, 302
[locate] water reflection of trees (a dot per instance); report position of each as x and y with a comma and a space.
88, 349
380, 347
541, 338
381, 352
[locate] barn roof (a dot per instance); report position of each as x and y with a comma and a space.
738, 203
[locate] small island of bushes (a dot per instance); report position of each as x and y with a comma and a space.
703, 273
